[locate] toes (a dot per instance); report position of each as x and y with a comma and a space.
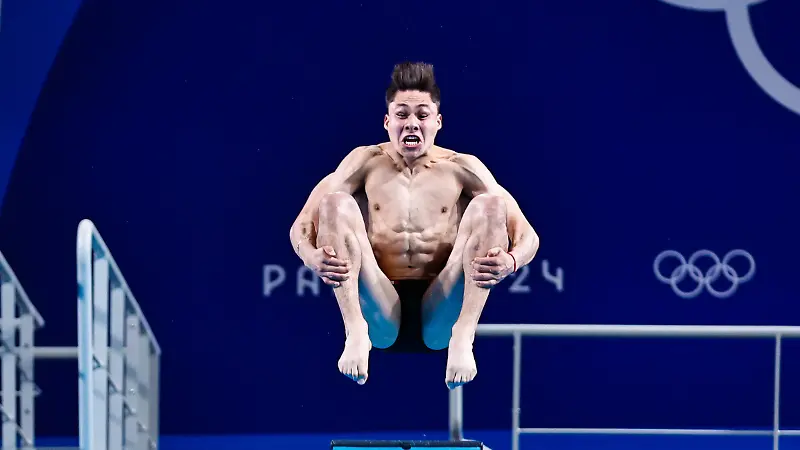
362, 373
356, 372
350, 373
456, 383
455, 379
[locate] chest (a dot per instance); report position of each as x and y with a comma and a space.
425, 191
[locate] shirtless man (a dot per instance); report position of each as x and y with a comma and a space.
407, 226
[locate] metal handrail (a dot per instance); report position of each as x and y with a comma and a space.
517, 331
112, 331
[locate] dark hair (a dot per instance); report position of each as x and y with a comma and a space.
408, 76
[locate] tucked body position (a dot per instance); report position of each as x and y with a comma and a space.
411, 236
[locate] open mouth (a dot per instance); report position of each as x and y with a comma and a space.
412, 141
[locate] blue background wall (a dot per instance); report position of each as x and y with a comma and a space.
192, 132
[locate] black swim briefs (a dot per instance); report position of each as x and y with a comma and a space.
409, 339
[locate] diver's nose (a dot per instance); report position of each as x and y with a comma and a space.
412, 125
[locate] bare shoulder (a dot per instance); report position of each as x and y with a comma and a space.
465, 161
364, 153
358, 159
470, 170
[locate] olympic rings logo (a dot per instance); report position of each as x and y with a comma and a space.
704, 280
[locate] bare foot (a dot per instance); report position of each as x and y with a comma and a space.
461, 367
355, 358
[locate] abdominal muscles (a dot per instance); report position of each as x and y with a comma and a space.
405, 251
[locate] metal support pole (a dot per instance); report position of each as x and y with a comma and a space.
142, 361
116, 374
55, 352
776, 413
8, 311
457, 414
85, 341
100, 316
132, 343
28, 387
155, 396
516, 389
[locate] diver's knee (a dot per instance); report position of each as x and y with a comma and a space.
383, 338
338, 204
489, 202
436, 338
487, 207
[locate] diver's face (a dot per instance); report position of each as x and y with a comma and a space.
412, 123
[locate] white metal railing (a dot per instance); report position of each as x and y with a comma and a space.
122, 359
517, 331
119, 357
19, 319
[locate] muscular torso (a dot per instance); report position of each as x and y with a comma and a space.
412, 214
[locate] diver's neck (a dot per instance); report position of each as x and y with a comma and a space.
411, 161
